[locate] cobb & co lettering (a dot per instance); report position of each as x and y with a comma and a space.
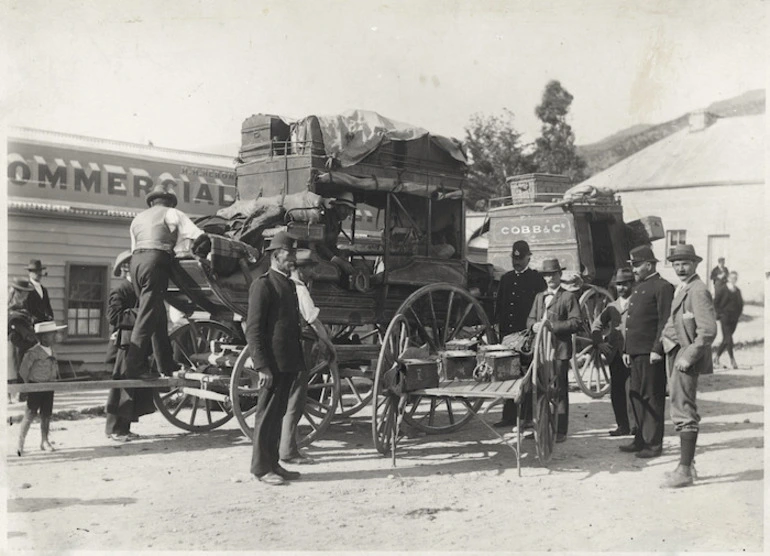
535, 229
70, 174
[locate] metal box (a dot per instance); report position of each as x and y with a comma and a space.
496, 362
645, 230
457, 365
420, 373
457, 344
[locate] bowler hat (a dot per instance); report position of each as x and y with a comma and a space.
550, 266
571, 281
36, 265
642, 254
123, 257
624, 275
282, 240
684, 253
21, 285
305, 258
520, 249
161, 191
345, 198
48, 326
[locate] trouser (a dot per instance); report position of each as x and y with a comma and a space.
619, 392
682, 388
561, 367
648, 400
295, 407
728, 329
117, 425
271, 407
509, 410
150, 271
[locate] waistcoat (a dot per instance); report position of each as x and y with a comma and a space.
151, 232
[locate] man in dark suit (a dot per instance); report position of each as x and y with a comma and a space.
273, 335
719, 274
515, 295
38, 302
687, 337
648, 309
609, 332
558, 310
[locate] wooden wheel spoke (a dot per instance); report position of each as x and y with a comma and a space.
167, 395
181, 404
422, 329
354, 389
450, 413
316, 403
437, 335
194, 409
310, 420
461, 323
415, 404
448, 317
208, 410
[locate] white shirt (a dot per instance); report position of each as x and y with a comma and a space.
186, 230
38, 287
307, 308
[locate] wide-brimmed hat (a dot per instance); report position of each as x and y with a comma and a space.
162, 191
624, 275
48, 326
571, 281
345, 198
549, 266
305, 258
684, 253
520, 249
123, 257
36, 265
642, 254
282, 240
21, 284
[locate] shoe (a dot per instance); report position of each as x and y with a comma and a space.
286, 474
734, 363
119, 437
647, 453
133, 435
299, 460
504, 423
620, 432
561, 437
272, 479
47, 447
630, 448
682, 476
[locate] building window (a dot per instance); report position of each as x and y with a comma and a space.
86, 298
674, 238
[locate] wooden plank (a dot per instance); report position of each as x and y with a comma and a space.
98, 385
464, 389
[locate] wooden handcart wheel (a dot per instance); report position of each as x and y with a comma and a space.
589, 366
544, 394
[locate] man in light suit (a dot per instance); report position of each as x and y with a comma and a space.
557, 309
687, 339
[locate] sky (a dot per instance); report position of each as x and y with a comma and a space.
186, 74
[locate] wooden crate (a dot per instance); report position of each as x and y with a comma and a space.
457, 365
420, 373
258, 133
537, 188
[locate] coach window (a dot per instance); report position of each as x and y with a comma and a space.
86, 298
674, 238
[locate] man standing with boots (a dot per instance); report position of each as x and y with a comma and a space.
648, 310
155, 233
687, 339
273, 335
515, 295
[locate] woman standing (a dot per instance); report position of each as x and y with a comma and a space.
728, 304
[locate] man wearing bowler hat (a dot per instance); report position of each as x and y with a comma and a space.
687, 337
557, 309
648, 309
38, 302
515, 295
273, 335
155, 234
608, 331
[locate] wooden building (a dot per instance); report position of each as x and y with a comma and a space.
70, 202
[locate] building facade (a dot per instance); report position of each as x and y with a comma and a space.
71, 200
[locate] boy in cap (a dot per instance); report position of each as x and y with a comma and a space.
40, 365
609, 332
558, 310
687, 337
515, 294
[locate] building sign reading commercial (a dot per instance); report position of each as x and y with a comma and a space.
74, 174
533, 229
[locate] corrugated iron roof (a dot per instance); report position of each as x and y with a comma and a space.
729, 151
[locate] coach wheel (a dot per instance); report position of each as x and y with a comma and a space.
589, 366
385, 413
356, 386
438, 314
544, 394
186, 410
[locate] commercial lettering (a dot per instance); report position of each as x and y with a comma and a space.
116, 176
141, 180
19, 171
204, 193
80, 180
46, 177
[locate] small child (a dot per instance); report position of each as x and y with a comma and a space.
39, 365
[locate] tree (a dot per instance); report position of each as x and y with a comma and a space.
495, 151
555, 151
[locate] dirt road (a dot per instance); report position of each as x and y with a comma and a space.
177, 491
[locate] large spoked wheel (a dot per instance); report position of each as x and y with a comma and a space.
356, 382
437, 314
186, 410
544, 394
385, 413
589, 366
320, 403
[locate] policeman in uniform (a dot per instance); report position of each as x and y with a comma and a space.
515, 294
648, 309
155, 234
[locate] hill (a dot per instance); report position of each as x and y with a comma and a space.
624, 143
